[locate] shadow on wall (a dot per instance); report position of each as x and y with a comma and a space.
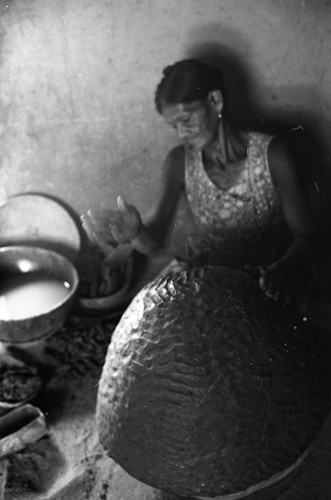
299, 128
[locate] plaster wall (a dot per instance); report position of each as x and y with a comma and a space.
77, 80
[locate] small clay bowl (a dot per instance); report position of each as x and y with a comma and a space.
31, 388
113, 301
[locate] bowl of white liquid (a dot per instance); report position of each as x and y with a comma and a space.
37, 290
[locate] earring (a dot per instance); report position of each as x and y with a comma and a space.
219, 116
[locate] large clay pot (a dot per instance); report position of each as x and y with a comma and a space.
209, 388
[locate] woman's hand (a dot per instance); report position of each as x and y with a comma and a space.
272, 281
112, 226
125, 222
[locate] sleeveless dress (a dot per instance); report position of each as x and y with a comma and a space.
241, 225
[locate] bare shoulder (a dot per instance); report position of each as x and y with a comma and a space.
281, 162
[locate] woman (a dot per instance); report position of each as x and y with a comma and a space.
241, 188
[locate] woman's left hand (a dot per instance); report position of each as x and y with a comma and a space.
271, 281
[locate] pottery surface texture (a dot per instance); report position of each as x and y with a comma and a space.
209, 388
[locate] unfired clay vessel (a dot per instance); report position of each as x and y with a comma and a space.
209, 389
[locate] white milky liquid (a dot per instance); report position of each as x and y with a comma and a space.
27, 295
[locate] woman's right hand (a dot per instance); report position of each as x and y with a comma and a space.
125, 222
112, 226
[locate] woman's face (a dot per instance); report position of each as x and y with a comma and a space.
196, 122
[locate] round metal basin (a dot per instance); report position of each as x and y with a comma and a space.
28, 262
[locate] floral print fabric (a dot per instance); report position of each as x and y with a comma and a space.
241, 225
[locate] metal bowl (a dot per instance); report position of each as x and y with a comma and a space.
20, 260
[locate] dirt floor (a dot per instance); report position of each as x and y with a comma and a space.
70, 464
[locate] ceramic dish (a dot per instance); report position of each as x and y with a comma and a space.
18, 385
113, 301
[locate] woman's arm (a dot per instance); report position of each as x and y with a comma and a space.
299, 219
125, 225
295, 208
160, 219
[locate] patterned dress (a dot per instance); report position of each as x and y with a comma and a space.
241, 225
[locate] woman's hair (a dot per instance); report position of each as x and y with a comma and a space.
186, 81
